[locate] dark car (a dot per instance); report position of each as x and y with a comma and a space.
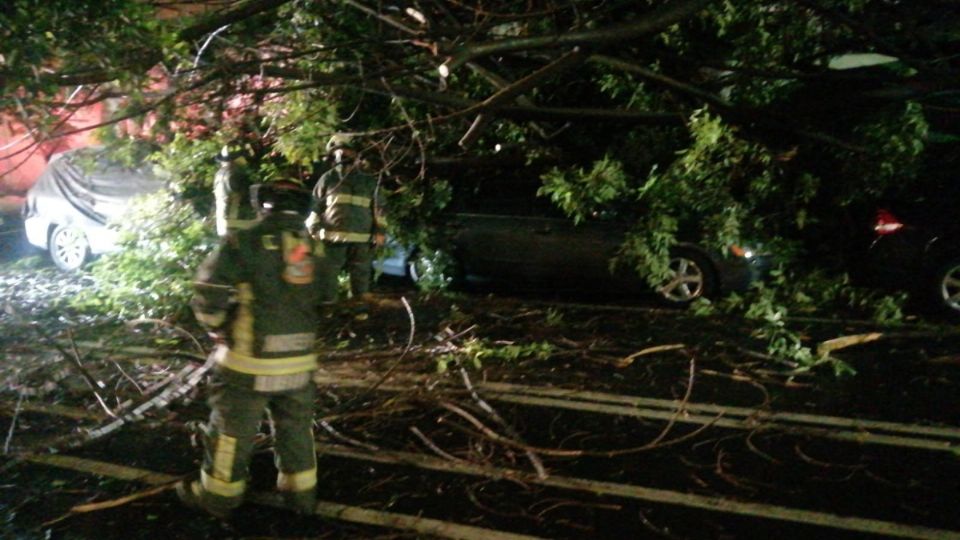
917, 249
520, 238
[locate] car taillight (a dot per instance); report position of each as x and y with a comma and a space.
886, 223
743, 253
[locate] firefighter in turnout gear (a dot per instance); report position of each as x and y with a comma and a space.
260, 294
347, 216
231, 192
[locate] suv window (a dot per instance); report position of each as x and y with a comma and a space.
504, 198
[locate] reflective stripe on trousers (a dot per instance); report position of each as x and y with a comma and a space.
237, 412
213, 485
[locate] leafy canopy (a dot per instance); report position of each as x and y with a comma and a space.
730, 121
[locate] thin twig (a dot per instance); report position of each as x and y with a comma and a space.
169, 391
113, 503
93, 383
161, 322
493, 435
624, 362
341, 437
128, 377
681, 407
755, 450
13, 424
432, 446
531, 455
393, 367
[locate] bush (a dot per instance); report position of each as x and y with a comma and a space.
162, 241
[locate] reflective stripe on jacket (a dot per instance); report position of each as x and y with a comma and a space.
346, 206
231, 190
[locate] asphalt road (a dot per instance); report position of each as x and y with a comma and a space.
649, 423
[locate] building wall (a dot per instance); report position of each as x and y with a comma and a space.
23, 158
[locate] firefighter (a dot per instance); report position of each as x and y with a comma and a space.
347, 215
231, 191
260, 294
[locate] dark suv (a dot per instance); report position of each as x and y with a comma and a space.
506, 233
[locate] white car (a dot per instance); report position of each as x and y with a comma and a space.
67, 210
394, 261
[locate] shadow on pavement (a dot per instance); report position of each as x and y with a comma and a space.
13, 240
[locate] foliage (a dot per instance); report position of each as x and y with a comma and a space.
190, 165
720, 184
475, 351
162, 242
415, 209
436, 269
772, 304
755, 38
72, 36
127, 151
777, 150
582, 194
647, 247
782, 343
810, 292
25, 264
722, 190
553, 318
896, 141
303, 122
414, 206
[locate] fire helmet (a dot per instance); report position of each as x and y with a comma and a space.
340, 141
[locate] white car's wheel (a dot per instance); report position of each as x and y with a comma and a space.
68, 247
690, 278
415, 269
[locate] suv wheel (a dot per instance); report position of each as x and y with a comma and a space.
68, 248
945, 287
691, 277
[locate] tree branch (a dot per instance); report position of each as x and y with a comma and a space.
150, 58
504, 95
520, 112
249, 9
659, 78
651, 23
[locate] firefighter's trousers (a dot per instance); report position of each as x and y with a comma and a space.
354, 257
238, 402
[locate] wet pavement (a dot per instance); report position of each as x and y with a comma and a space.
681, 442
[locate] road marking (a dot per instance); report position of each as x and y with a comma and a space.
427, 526
662, 496
327, 509
445, 529
943, 439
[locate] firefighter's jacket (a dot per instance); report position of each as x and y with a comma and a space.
231, 191
261, 291
347, 207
